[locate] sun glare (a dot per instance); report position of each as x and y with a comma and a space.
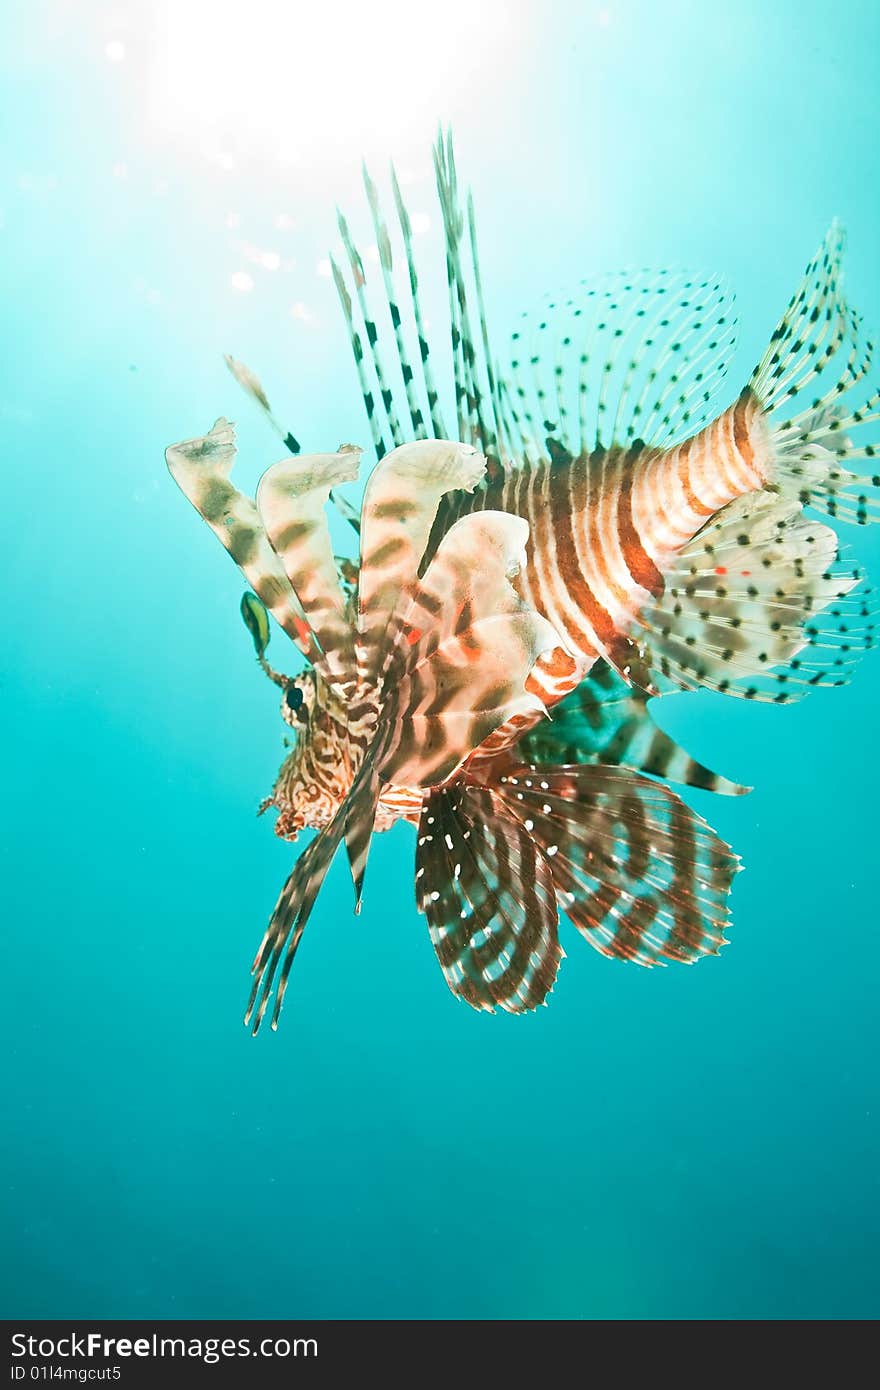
304, 82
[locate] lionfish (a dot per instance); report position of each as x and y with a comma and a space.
666, 547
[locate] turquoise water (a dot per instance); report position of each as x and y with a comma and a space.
668, 1144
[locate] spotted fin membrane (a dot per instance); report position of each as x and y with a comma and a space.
761, 604
820, 344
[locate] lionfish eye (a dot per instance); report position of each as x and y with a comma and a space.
294, 698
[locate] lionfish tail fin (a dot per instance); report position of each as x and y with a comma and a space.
810, 383
640, 874
761, 602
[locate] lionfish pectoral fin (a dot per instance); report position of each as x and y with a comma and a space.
604, 721
486, 889
400, 504
759, 604
291, 500
639, 873
630, 359
201, 468
360, 818
469, 644
287, 923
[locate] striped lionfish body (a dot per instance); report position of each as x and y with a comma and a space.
607, 526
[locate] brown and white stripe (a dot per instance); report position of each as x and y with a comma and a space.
641, 876
487, 891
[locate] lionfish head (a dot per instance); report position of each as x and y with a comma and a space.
316, 774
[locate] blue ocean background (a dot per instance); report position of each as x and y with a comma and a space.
686, 1143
